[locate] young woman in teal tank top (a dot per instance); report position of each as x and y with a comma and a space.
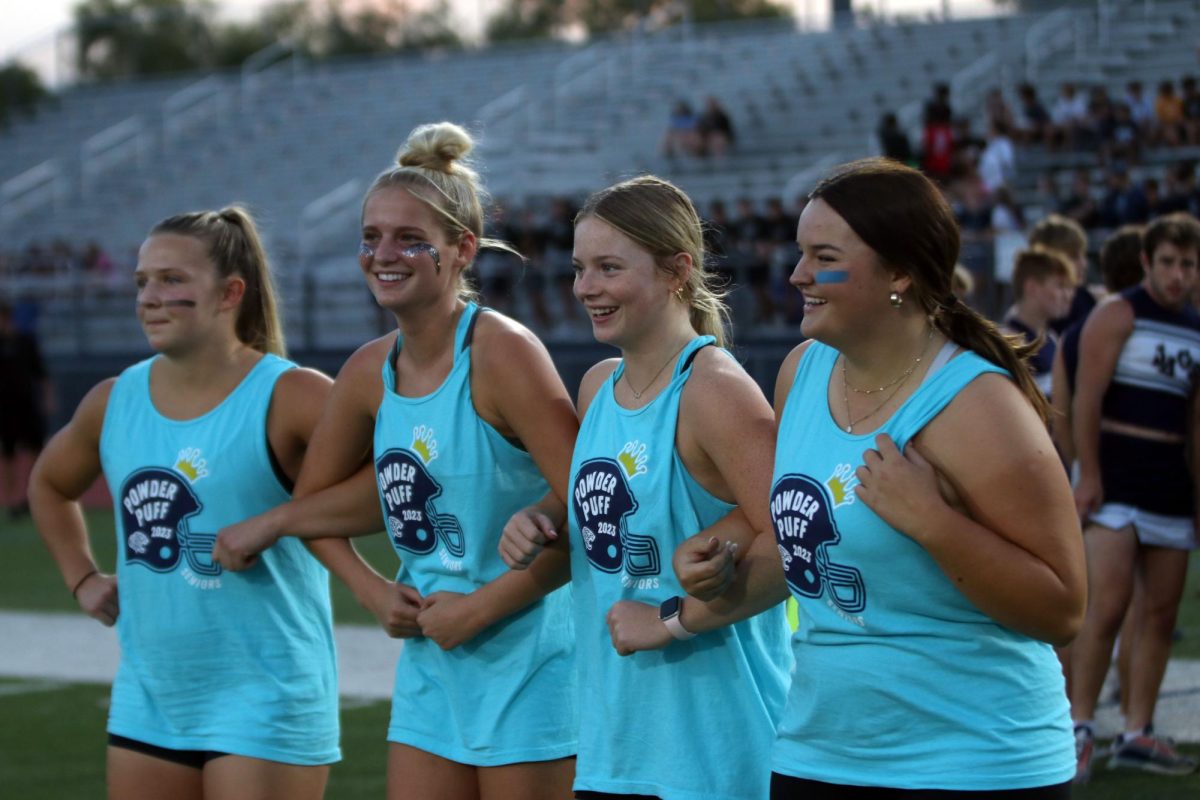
226, 681
673, 454
921, 519
461, 413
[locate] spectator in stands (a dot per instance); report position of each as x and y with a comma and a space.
1191, 109
1168, 115
748, 233
893, 142
1066, 237
1032, 120
1007, 216
998, 161
937, 137
1080, 204
1068, 118
1132, 430
1181, 193
1043, 283
26, 403
1141, 110
558, 235
681, 135
1120, 140
996, 110
719, 244
1123, 203
715, 129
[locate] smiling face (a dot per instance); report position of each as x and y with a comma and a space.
180, 296
405, 254
623, 290
841, 278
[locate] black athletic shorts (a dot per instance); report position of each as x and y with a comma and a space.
188, 758
785, 787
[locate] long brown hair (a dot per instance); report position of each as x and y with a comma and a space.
901, 215
236, 249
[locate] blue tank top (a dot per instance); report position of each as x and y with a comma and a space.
695, 719
448, 482
237, 662
900, 680
1157, 367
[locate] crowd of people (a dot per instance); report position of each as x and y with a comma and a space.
940, 566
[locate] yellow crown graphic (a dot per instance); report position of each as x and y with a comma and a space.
424, 443
191, 464
632, 458
841, 485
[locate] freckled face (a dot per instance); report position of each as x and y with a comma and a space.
621, 287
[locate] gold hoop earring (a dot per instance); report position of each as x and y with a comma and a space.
895, 299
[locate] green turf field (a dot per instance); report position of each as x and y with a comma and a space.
51, 739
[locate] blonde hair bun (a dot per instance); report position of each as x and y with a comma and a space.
437, 147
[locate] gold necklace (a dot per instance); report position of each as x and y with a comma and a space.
894, 381
897, 383
638, 395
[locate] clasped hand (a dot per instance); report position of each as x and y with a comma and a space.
901, 487
447, 618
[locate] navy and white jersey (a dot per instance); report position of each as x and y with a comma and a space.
1040, 363
1157, 367
1069, 344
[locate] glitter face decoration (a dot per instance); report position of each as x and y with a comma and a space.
412, 251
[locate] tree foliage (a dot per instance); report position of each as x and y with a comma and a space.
531, 19
124, 38
21, 92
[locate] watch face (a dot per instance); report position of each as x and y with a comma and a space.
669, 608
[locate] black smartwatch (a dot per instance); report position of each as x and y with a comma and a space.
668, 614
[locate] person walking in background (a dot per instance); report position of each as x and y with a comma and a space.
26, 403
227, 684
1043, 281
1132, 419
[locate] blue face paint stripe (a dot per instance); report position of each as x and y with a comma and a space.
832, 276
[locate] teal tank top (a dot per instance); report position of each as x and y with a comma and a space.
448, 483
236, 662
697, 718
900, 680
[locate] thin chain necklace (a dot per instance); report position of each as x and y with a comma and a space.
638, 395
895, 380
898, 383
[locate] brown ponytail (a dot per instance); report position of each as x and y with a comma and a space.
235, 247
